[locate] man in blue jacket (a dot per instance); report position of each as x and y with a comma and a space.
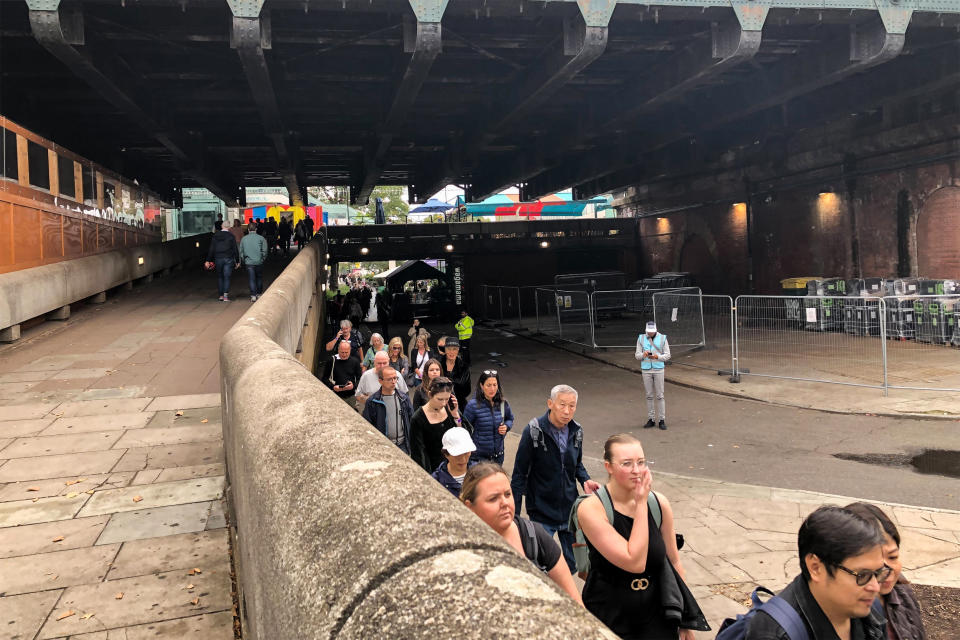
389, 410
548, 465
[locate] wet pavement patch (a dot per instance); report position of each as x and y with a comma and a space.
942, 462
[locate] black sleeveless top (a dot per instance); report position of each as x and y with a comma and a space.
629, 603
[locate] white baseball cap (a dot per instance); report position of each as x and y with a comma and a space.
652, 326
457, 441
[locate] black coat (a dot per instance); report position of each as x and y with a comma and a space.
223, 246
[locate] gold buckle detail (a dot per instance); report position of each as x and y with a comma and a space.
640, 584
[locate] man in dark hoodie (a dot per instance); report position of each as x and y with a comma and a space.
225, 255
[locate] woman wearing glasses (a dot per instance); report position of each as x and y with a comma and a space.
397, 360
420, 354
628, 556
490, 416
431, 371
431, 421
899, 602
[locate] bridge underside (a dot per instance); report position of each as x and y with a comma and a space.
596, 95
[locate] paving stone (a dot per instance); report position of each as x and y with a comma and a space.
754, 506
38, 538
194, 401
708, 543
13, 389
148, 476
59, 486
214, 626
49, 363
217, 518
771, 567
944, 520
4, 442
54, 445
98, 423
111, 393
156, 522
23, 428
178, 455
189, 417
25, 376
173, 435
26, 411
42, 467
74, 373
146, 600
154, 495
205, 550
102, 407
940, 534
907, 517
45, 571
945, 574
22, 616
773, 540
919, 550
43, 510
766, 522
696, 573
195, 471
722, 569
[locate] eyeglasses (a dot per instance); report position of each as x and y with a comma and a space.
490, 372
630, 464
863, 576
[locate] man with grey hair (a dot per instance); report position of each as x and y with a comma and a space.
348, 334
341, 373
653, 351
548, 465
370, 380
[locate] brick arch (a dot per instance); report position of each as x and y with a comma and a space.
698, 255
938, 234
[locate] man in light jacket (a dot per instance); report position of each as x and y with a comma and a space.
652, 352
253, 251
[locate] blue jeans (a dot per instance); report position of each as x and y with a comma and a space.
255, 274
566, 543
224, 269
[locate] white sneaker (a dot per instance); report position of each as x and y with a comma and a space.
220, 298
226, 298
253, 298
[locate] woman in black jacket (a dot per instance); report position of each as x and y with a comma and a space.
455, 369
431, 421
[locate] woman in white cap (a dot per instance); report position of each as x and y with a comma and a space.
652, 352
457, 447
486, 492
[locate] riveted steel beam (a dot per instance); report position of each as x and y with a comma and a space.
250, 36
585, 38
62, 34
866, 46
424, 49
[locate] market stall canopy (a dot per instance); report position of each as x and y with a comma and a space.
410, 270
558, 204
432, 206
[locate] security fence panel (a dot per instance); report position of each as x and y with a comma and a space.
547, 312
527, 306
702, 335
923, 346
510, 307
771, 341
680, 316
565, 315
489, 301
620, 316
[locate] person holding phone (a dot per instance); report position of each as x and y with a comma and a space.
653, 351
431, 421
341, 373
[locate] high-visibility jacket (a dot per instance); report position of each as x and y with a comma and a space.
465, 327
658, 346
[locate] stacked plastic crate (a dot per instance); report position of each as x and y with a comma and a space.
821, 309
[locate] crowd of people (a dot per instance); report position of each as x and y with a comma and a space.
250, 246
618, 534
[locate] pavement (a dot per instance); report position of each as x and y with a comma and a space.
112, 470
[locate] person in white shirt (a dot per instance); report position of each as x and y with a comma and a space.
370, 380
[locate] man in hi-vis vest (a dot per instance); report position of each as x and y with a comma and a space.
652, 352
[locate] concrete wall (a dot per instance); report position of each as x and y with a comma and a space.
809, 232
336, 532
29, 293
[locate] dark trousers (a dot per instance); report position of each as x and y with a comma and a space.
224, 270
566, 543
255, 274
465, 351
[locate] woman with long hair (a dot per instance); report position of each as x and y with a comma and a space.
397, 360
899, 602
431, 371
486, 492
431, 421
420, 354
490, 416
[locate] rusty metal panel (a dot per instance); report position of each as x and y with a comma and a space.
51, 236
938, 234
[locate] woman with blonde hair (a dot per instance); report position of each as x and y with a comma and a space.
397, 360
486, 492
420, 355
